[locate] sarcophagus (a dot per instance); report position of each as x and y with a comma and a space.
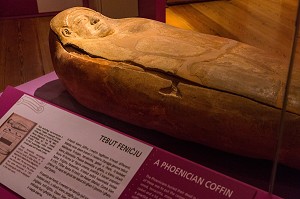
207, 89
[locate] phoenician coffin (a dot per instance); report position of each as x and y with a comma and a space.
207, 89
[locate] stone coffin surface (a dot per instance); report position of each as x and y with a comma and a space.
197, 87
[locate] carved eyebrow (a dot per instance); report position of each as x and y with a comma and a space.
79, 18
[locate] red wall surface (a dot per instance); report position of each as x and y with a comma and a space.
22, 8
151, 9
10, 8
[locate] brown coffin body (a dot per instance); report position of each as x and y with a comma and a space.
227, 119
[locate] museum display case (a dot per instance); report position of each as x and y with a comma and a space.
233, 95
269, 26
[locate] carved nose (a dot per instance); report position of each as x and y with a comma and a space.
94, 21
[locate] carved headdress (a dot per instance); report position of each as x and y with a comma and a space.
62, 23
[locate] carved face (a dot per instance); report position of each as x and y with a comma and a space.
86, 24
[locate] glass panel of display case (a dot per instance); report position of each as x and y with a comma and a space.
269, 26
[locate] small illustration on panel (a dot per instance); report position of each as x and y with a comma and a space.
12, 132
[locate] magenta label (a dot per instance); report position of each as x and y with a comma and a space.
165, 175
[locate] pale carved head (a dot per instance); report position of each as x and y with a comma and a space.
80, 23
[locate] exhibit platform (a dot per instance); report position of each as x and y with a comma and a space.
254, 172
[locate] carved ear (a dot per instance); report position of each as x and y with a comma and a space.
66, 32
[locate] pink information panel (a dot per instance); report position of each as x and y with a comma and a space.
49, 152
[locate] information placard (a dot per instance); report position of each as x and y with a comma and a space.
48, 152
